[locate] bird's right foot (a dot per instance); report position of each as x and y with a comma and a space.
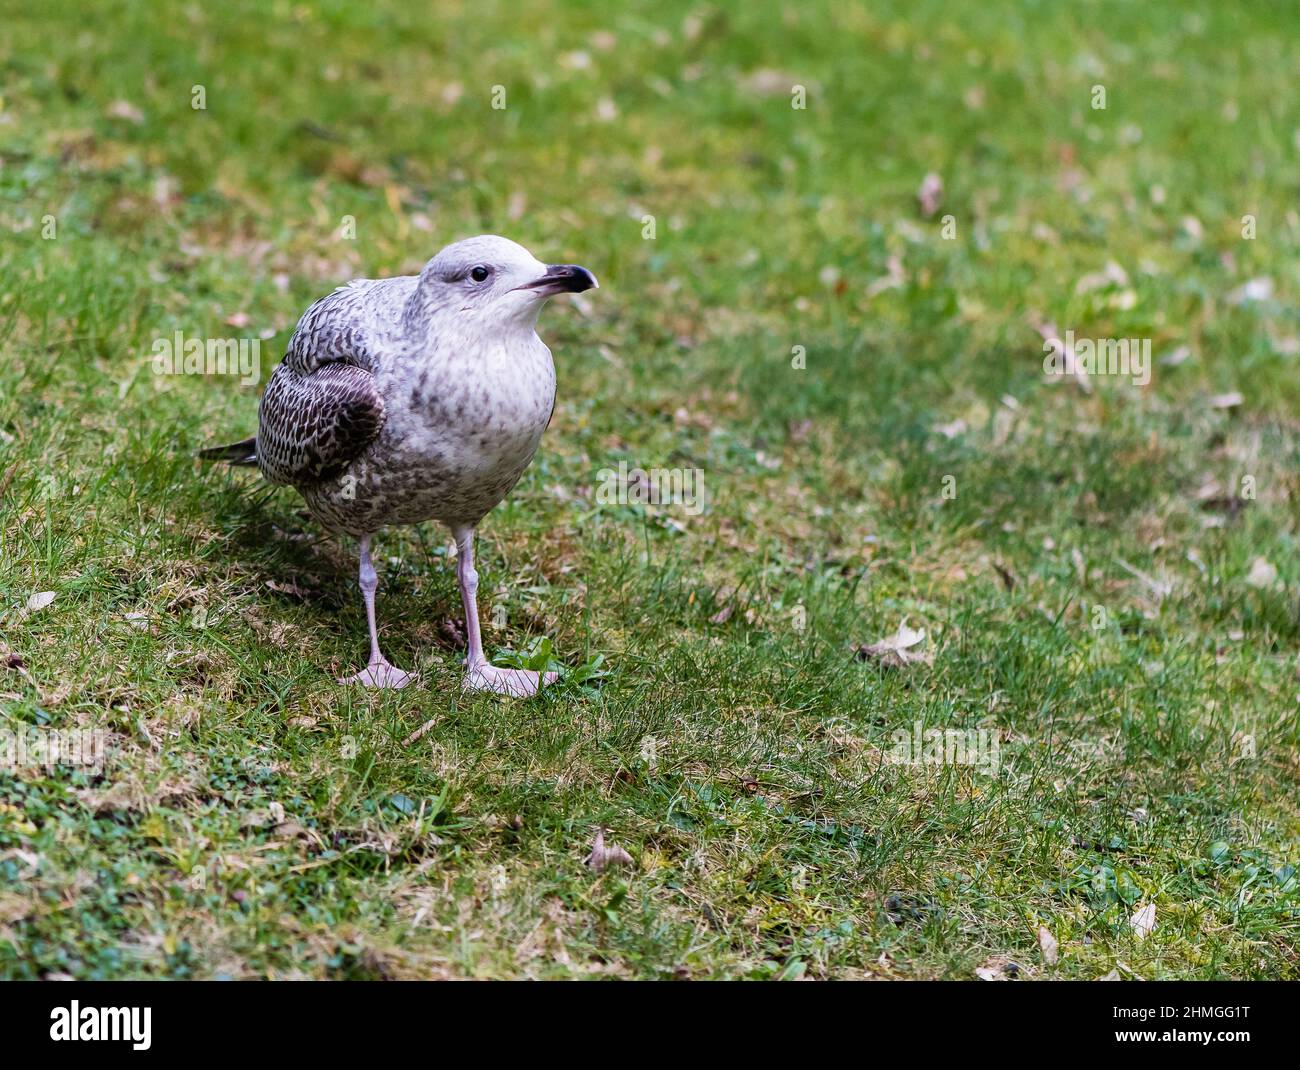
517, 683
379, 674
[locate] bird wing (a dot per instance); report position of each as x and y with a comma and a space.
337, 328
321, 409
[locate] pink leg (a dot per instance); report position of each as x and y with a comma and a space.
480, 675
378, 673
468, 579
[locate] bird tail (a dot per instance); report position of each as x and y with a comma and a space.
244, 453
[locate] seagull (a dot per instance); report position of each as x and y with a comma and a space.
416, 398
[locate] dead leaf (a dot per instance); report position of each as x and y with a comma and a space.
1112, 275
602, 856
252, 819
766, 82
1144, 921
419, 732
1212, 495
729, 600
1069, 359
930, 195
892, 281
896, 651
999, 968
124, 109
1260, 289
1048, 946
1262, 573
115, 799
1161, 588
57, 696
39, 601
1229, 400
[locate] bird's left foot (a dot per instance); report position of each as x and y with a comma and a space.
518, 683
380, 674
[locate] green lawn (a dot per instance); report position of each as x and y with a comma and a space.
1109, 579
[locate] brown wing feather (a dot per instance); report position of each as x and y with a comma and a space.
321, 409
312, 425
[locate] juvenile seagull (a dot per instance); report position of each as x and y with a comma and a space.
417, 398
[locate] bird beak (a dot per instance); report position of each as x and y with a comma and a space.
562, 278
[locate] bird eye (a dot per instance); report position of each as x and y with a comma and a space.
478, 274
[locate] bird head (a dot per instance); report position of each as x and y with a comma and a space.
494, 278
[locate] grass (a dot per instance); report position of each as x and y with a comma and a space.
1092, 593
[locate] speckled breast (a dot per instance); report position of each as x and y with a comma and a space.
452, 446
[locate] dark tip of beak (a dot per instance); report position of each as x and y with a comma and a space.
565, 278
